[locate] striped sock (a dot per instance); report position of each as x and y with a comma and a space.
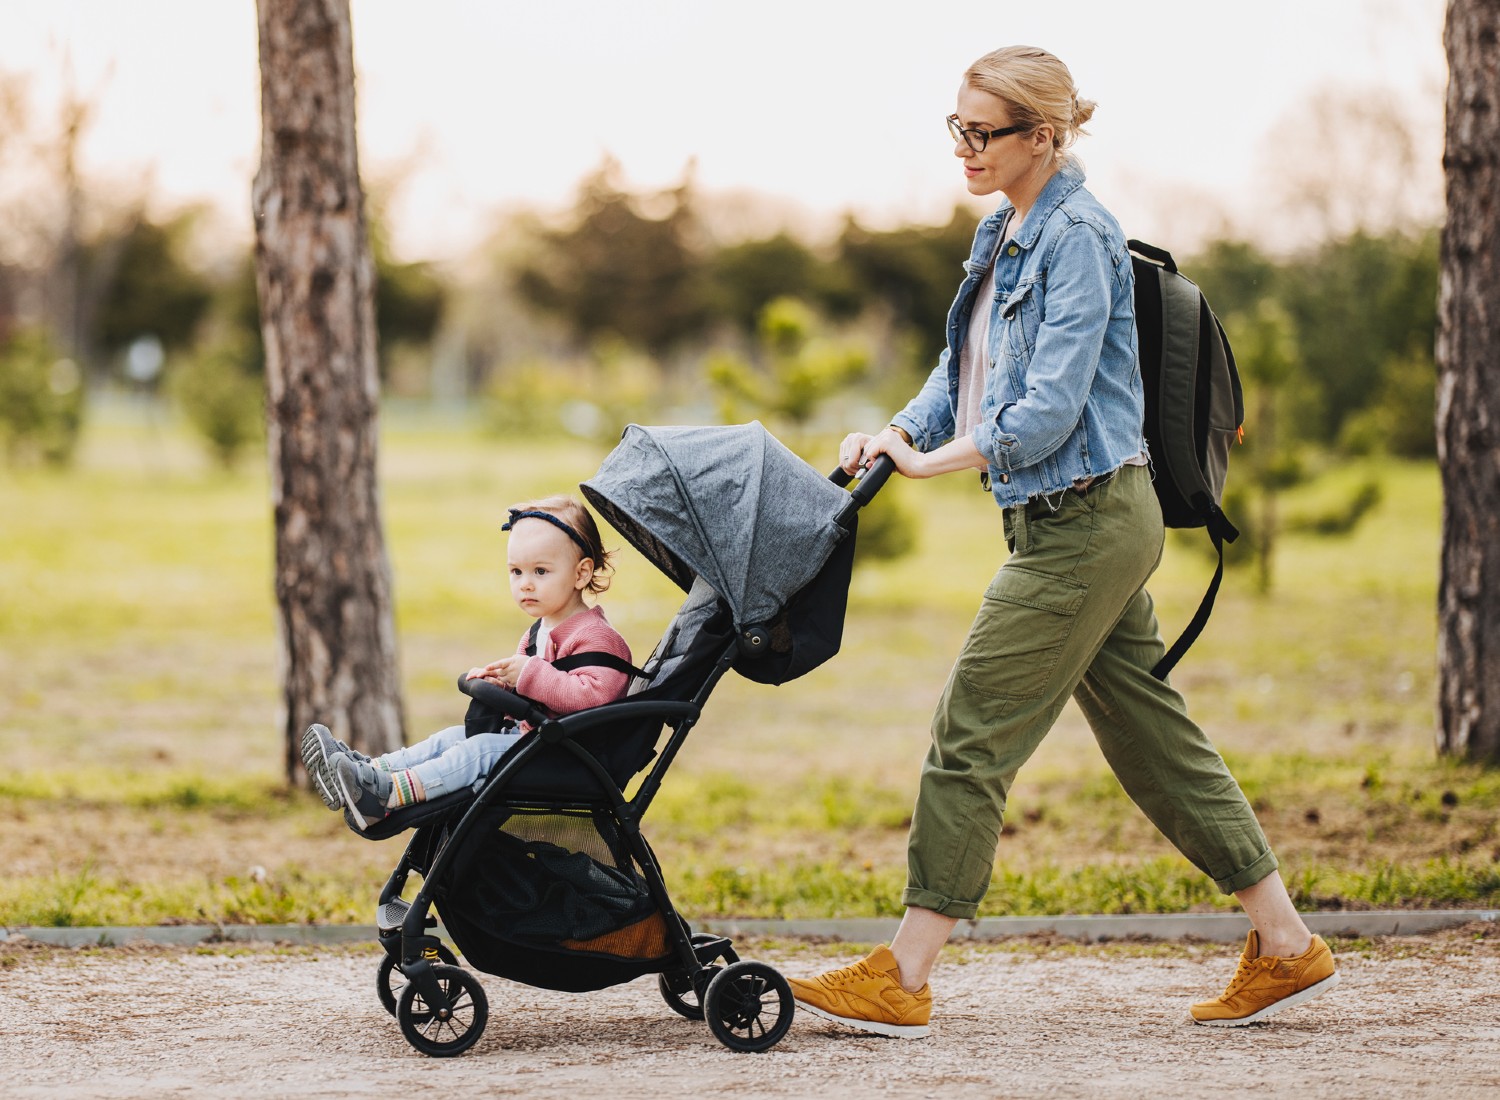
403, 789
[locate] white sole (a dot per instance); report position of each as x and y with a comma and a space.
315, 759
892, 1031
1271, 1009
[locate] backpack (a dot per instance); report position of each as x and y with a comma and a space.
1194, 410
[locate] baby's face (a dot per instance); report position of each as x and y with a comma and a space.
547, 573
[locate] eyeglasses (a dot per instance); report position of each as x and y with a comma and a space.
978, 139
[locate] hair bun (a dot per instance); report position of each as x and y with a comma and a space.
1083, 110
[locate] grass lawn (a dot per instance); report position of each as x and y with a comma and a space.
138, 716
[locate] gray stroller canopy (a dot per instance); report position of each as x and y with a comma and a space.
729, 504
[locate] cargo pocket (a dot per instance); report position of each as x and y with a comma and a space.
1019, 634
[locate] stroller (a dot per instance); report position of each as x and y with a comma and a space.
540, 871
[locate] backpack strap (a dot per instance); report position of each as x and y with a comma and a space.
1220, 530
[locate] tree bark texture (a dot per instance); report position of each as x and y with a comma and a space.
315, 278
1468, 395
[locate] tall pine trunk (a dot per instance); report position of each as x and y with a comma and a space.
315, 278
1468, 396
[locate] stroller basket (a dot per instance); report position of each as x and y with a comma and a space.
554, 899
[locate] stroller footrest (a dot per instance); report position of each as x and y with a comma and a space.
389, 917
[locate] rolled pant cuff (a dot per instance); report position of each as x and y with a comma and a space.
913, 898
1252, 874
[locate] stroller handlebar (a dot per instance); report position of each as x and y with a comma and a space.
497, 698
870, 481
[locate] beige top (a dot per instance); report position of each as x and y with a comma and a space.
974, 358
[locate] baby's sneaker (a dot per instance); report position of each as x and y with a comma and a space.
318, 749
365, 788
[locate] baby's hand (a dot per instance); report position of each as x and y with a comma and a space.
503, 673
506, 672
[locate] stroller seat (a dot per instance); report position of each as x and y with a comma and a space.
624, 747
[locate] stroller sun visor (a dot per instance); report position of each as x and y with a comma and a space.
729, 504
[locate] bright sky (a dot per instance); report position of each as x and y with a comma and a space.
830, 105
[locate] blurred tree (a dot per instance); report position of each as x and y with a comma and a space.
797, 368
1357, 303
316, 283
616, 271
1266, 352
1235, 276
914, 271
409, 297
1398, 420
41, 399
221, 390
1468, 403
150, 288
748, 276
236, 311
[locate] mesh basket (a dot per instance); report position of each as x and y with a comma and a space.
554, 899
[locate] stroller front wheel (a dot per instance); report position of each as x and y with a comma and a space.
749, 1006
444, 1034
684, 992
389, 981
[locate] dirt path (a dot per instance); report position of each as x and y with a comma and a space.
1413, 1017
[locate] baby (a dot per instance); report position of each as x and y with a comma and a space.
555, 556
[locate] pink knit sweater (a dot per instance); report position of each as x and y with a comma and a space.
590, 686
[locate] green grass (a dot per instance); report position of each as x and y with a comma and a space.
139, 714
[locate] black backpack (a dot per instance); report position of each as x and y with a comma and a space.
1194, 410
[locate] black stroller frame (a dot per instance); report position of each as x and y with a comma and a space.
442, 1008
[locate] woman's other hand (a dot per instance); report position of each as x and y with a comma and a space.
859, 450
852, 452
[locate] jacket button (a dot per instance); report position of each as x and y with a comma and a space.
1004, 479
1013, 250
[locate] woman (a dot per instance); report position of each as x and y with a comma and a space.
1040, 390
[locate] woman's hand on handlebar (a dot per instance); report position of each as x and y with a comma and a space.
859, 450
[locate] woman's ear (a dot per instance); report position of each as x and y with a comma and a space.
585, 575
1041, 139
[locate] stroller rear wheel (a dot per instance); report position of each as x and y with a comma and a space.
684, 992
749, 1006
444, 1034
389, 981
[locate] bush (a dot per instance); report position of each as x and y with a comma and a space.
41, 400
222, 398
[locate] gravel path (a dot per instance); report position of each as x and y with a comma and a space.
1413, 1017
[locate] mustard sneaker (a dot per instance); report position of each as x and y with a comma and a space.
1263, 986
867, 996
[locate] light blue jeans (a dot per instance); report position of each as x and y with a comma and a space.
448, 761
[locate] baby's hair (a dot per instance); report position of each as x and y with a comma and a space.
579, 519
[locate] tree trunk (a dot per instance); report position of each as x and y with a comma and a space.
314, 275
1468, 396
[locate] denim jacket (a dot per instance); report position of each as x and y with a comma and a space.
1062, 397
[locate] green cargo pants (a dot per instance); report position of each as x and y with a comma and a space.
1068, 615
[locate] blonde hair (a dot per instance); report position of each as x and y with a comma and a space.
1037, 88
581, 521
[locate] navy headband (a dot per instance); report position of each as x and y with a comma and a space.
516, 513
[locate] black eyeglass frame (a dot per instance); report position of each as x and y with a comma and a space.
969, 135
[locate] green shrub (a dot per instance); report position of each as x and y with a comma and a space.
41, 400
222, 398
